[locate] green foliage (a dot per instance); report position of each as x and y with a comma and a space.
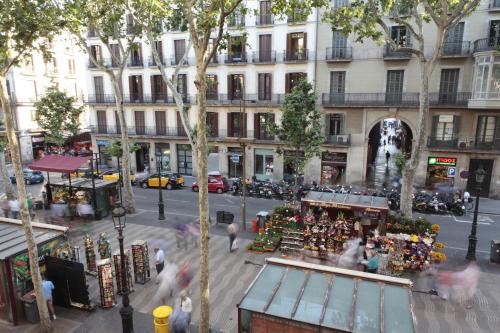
300, 129
400, 161
26, 27
115, 148
56, 115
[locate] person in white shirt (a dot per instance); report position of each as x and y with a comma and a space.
186, 305
14, 208
159, 259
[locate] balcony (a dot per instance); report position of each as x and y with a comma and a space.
130, 99
370, 99
449, 99
135, 62
104, 62
174, 60
250, 100
152, 62
296, 55
264, 57
235, 59
140, 130
214, 61
487, 143
391, 54
338, 54
262, 136
494, 6
341, 139
297, 17
487, 44
440, 142
264, 19
456, 49
464, 144
236, 20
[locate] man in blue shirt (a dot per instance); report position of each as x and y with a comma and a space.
48, 287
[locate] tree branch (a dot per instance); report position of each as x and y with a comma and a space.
393, 44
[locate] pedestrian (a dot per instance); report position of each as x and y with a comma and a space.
14, 208
232, 231
184, 276
166, 281
186, 305
178, 321
181, 235
29, 201
159, 259
384, 142
47, 288
387, 157
4, 205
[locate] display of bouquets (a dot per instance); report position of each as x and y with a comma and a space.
435, 228
439, 246
309, 218
294, 222
437, 257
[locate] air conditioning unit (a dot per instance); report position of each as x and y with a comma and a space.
462, 144
342, 138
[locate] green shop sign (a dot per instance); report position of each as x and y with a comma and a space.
447, 161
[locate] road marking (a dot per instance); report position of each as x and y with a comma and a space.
177, 200
470, 222
166, 213
462, 249
484, 218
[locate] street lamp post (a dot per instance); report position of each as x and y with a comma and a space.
471, 251
161, 206
126, 312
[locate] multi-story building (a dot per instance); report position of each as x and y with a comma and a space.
28, 82
358, 85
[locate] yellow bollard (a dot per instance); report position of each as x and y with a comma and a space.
160, 318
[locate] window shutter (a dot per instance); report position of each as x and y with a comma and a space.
287, 82
256, 126
342, 124
153, 87
230, 86
244, 124
230, 124
305, 40
164, 88
139, 87
456, 126
327, 124
215, 124
216, 89
435, 120
288, 43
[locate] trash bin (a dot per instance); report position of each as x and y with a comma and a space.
495, 251
254, 226
30, 308
160, 318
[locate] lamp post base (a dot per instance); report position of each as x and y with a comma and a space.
161, 211
126, 312
471, 251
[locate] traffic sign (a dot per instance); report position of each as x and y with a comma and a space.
235, 158
452, 171
464, 174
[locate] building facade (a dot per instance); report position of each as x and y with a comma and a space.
28, 82
358, 86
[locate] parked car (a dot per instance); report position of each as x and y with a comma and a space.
30, 177
112, 174
84, 172
217, 184
169, 180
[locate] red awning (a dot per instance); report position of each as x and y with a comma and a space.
59, 163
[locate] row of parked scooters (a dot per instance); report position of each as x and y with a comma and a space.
423, 202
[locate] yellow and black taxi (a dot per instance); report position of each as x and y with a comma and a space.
169, 180
84, 172
113, 175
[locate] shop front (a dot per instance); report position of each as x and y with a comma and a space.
103, 157
264, 164
142, 156
164, 150
288, 168
333, 168
474, 165
38, 145
235, 167
441, 171
184, 159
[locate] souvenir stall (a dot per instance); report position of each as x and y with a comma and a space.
140, 259
118, 272
106, 287
295, 296
15, 275
90, 255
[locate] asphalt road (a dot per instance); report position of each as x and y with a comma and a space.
181, 206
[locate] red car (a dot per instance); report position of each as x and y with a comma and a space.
217, 184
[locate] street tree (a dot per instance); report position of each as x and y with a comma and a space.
371, 19
27, 27
56, 114
206, 23
4, 175
300, 128
109, 22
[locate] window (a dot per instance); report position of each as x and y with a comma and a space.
51, 66
118, 124
296, 46
140, 124
179, 50
265, 15
33, 115
32, 93
453, 44
339, 45
482, 69
180, 127
212, 124
334, 124
494, 33
339, 3
236, 19
265, 48
159, 50
401, 36
29, 64
158, 88
96, 53
337, 86
135, 88
98, 89
161, 122
297, 15
265, 86
449, 85
236, 49
486, 129
182, 86
394, 86
236, 124
291, 79
136, 55
445, 127
262, 122
102, 125
130, 24
71, 67
212, 87
115, 55
235, 86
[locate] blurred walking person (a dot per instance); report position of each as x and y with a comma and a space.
4, 205
184, 276
232, 231
459, 285
159, 259
14, 208
166, 282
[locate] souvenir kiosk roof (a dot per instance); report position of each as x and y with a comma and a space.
59, 163
85, 183
338, 200
330, 297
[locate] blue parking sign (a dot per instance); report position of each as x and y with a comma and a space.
452, 172
235, 158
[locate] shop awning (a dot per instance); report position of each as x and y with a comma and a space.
367, 203
330, 297
59, 163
